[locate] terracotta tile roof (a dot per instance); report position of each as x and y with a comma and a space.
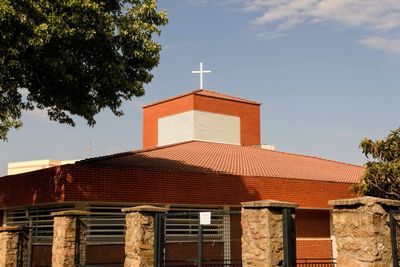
205, 157
208, 93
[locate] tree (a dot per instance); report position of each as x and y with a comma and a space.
74, 57
382, 174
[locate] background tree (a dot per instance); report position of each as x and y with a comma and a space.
382, 176
74, 57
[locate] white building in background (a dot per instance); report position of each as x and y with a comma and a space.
28, 166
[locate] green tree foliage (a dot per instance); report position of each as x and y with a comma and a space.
382, 176
74, 57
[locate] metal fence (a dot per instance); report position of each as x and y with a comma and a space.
316, 262
118, 264
23, 243
216, 263
182, 239
395, 236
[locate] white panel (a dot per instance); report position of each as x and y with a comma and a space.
199, 125
216, 128
176, 128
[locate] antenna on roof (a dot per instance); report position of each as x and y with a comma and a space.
201, 72
88, 148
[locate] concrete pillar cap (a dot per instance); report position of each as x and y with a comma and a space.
364, 201
145, 208
268, 203
70, 213
12, 228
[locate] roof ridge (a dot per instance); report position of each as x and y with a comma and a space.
171, 98
198, 91
226, 96
234, 98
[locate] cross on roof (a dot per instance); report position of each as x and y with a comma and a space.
201, 72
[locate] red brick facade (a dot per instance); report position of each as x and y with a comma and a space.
95, 254
94, 184
73, 183
249, 116
313, 223
314, 248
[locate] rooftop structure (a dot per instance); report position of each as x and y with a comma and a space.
201, 151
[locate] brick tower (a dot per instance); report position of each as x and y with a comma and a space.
201, 115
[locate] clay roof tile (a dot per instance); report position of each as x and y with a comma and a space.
206, 157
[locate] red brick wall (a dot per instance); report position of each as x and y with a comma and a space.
236, 236
187, 251
79, 183
95, 254
313, 223
249, 116
313, 233
42, 186
41, 256
321, 248
151, 114
105, 254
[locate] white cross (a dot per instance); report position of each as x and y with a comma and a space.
201, 72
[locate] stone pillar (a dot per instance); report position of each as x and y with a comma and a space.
11, 241
362, 231
139, 236
67, 236
262, 232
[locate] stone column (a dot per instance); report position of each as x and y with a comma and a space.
139, 236
11, 241
362, 231
262, 232
65, 238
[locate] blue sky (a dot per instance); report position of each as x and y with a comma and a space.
326, 72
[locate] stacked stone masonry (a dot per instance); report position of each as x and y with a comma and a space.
362, 231
262, 237
65, 238
13, 246
139, 236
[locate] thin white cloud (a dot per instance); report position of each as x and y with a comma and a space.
379, 15
198, 2
391, 46
381, 18
269, 35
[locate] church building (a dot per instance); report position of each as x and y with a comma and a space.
201, 151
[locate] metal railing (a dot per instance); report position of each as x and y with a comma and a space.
394, 223
185, 227
208, 263
316, 262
